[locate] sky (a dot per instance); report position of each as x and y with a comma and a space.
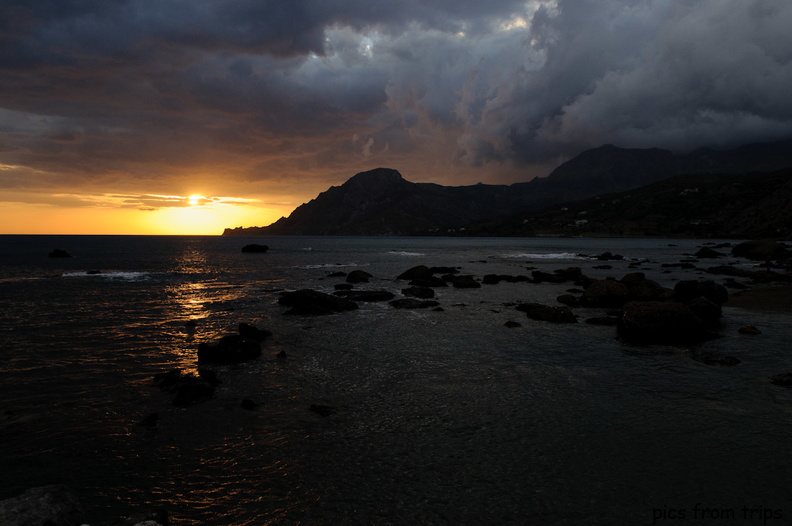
188, 116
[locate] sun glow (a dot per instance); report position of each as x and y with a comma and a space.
195, 199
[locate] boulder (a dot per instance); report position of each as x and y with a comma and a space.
312, 302
537, 311
444, 270
187, 389
251, 332
419, 272
782, 379
603, 320
689, 290
607, 256
540, 276
231, 348
366, 295
358, 276
662, 322
760, 250
707, 311
55, 505
431, 281
568, 299
419, 292
708, 253
749, 329
255, 248
604, 293
413, 303
711, 358
58, 253
462, 282
512, 324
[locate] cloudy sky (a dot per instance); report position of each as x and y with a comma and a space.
114, 112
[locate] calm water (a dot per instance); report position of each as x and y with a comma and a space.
441, 417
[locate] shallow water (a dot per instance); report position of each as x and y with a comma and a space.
440, 417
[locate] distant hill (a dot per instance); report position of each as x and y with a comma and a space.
382, 202
753, 205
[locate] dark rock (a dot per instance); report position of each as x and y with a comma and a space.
148, 518
93, 272
209, 376
604, 293
711, 358
462, 282
419, 272
537, 311
603, 320
322, 410
413, 303
255, 248
783, 379
249, 405
607, 256
311, 302
444, 270
282, 355
494, 279
231, 348
150, 421
366, 295
358, 276
344, 286
512, 324
603, 267
167, 381
191, 324
569, 274
708, 253
661, 322
760, 250
58, 253
55, 505
191, 390
688, 290
685, 266
431, 281
749, 329
419, 292
568, 299
251, 332
707, 311
338, 274
540, 276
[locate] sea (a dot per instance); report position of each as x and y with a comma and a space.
434, 416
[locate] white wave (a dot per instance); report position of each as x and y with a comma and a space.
330, 265
405, 253
113, 274
553, 255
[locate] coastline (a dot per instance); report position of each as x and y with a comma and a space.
776, 298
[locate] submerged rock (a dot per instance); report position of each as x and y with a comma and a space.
58, 253
537, 311
711, 358
749, 329
419, 292
312, 302
187, 389
783, 379
661, 322
251, 332
462, 282
358, 276
231, 348
413, 303
55, 505
604, 293
365, 295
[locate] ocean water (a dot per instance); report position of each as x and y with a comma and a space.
440, 417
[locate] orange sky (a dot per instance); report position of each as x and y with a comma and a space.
112, 114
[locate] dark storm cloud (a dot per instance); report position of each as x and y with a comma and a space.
118, 90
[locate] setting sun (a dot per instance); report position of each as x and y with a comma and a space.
195, 199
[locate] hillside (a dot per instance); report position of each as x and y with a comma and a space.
754, 205
382, 202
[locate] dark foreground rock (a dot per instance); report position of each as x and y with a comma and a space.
312, 302
251, 332
55, 505
689, 290
365, 295
231, 348
187, 389
358, 276
650, 322
255, 249
537, 311
605, 293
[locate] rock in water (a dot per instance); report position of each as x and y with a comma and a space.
539, 312
58, 253
231, 348
255, 248
308, 302
55, 505
661, 322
